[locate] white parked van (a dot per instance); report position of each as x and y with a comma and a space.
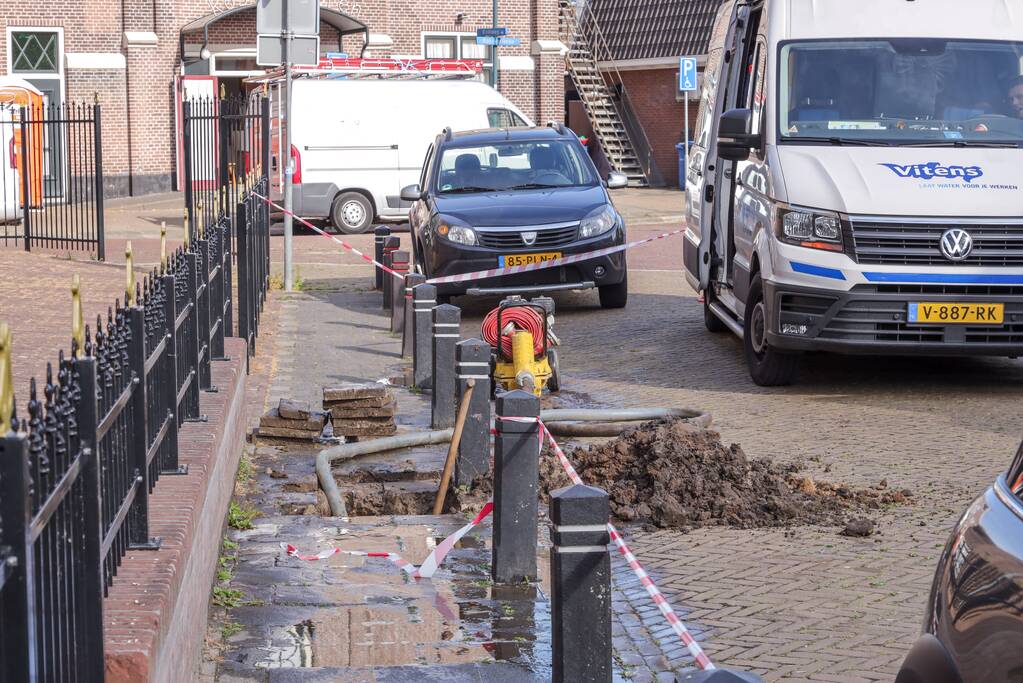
357, 142
854, 185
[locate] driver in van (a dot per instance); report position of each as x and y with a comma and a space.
1016, 97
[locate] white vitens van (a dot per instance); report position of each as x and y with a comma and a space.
357, 142
854, 185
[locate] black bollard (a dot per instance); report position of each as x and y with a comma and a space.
399, 263
580, 585
473, 362
717, 676
411, 281
391, 245
424, 298
516, 475
379, 235
446, 321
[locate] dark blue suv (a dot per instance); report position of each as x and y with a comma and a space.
505, 197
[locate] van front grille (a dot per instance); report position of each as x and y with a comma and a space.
909, 243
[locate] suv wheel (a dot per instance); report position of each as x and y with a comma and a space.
351, 213
615, 296
767, 366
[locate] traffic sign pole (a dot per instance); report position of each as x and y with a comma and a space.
686, 83
289, 168
493, 70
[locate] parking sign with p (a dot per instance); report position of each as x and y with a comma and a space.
687, 74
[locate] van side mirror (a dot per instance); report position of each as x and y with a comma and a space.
735, 140
616, 180
411, 193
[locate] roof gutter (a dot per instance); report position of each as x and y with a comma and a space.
647, 63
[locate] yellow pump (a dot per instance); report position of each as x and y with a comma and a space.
527, 368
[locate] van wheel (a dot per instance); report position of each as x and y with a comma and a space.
351, 213
615, 296
767, 366
711, 321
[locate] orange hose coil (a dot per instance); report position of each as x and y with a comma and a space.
522, 318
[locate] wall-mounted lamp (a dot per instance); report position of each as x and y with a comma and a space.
205, 53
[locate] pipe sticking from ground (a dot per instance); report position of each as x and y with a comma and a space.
559, 421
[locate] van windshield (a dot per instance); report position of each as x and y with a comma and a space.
513, 166
902, 92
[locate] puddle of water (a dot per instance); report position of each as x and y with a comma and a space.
295, 650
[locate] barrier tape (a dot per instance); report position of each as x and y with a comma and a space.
651, 588
484, 274
400, 276
424, 571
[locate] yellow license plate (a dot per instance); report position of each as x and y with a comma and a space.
526, 259
944, 313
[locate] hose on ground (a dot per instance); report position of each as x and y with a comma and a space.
559, 421
521, 318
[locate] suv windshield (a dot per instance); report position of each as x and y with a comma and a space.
902, 92
513, 165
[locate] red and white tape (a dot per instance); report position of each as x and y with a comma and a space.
370, 259
651, 588
426, 570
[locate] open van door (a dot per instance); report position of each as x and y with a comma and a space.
722, 77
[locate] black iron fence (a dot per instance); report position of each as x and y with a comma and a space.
78, 467
51, 177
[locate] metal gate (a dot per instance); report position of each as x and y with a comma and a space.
51, 178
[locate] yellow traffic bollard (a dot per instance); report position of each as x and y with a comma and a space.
6, 380
129, 276
163, 246
77, 319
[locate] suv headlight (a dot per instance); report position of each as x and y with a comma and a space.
598, 222
812, 229
459, 234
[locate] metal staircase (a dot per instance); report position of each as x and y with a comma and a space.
625, 146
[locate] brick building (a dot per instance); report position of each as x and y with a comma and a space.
131, 54
636, 45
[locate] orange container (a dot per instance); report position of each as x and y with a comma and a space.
15, 94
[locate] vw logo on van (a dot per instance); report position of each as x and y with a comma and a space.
956, 244
528, 238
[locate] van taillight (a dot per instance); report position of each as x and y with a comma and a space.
296, 176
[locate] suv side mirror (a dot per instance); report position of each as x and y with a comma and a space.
411, 193
735, 140
616, 180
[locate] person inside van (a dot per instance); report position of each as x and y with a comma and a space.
1016, 97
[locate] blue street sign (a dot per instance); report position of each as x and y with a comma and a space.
495, 32
502, 41
687, 74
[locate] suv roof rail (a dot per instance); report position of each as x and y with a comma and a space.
447, 133
558, 126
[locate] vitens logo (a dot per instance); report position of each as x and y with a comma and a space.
933, 169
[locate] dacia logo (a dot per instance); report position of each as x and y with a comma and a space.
933, 169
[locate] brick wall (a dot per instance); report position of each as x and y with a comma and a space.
139, 125
652, 93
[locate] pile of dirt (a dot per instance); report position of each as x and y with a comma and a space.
671, 475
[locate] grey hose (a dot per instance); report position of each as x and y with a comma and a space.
559, 422
347, 451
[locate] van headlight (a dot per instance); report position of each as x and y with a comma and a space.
597, 223
812, 229
459, 234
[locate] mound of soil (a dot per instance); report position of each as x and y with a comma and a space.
672, 475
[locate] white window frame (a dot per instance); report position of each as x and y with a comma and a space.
59, 30
236, 53
459, 36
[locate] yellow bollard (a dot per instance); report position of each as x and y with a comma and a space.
129, 276
77, 318
188, 237
6, 380
163, 246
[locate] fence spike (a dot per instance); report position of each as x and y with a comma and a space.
129, 277
163, 245
77, 319
187, 236
6, 380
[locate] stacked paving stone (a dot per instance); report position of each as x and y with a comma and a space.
292, 420
360, 410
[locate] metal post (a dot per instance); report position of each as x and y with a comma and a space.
170, 380
244, 273
391, 245
90, 597
289, 168
399, 263
473, 360
424, 298
379, 235
580, 585
493, 72
411, 281
101, 252
17, 609
186, 137
26, 172
516, 480
446, 321
138, 526
192, 339
202, 310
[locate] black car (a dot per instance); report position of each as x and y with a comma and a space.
973, 627
504, 197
